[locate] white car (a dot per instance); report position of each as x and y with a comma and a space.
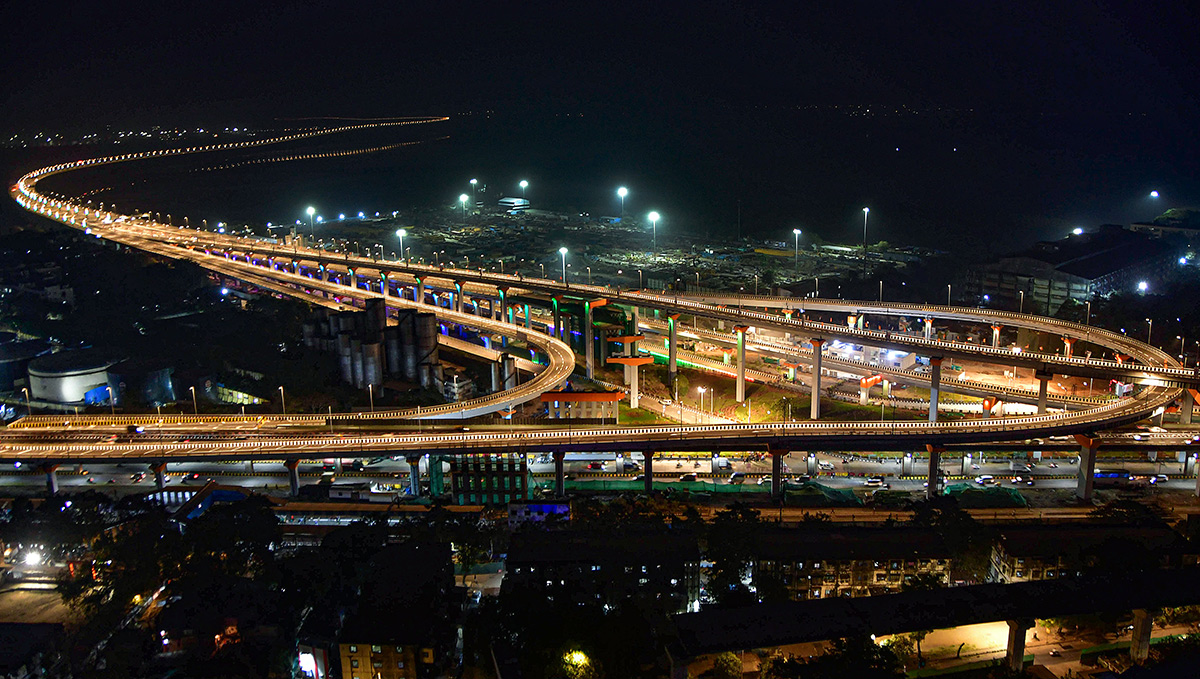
984, 480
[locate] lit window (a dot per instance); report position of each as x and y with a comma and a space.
354, 663
376, 649
354, 649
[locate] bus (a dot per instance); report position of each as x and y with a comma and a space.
1110, 478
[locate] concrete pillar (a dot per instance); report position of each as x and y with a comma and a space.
557, 331
672, 348
815, 411
635, 396
928, 328
527, 318
1139, 645
863, 393
1014, 659
496, 385
996, 336
418, 290
741, 362
414, 474
383, 285
503, 292
560, 474
51, 471
1087, 466
159, 469
906, 465
456, 297
966, 464
935, 381
293, 467
1067, 342
935, 471
648, 469
1187, 406
589, 340
776, 471
1191, 462
1043, 388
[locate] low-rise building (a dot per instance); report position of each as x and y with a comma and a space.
489, 479
830, 561
607, 568
1047, 552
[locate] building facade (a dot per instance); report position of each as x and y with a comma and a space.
489, 479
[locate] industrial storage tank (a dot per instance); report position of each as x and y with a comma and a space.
78, 376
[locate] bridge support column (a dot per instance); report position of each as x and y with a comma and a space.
418, 291
457, 296
934, 486
383, 285
1014, 659
1087, 466
815, 410
811, 468
293, 470
1191, 462
1043, 387
560, 474
906, 465
503, 292
557, 330
1067, 344
672, 348
160, 480
51, 471
741, 362
967, 461
648, 471
776, 471
928, 328
414, 474
1187, 406
996, 335
1139, 644
527, 320
863, 393
589, 340
935, 381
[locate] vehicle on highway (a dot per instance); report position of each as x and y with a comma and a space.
737, 477
595, 466
137, 477
824, 465
688, 477
876, 482
985, 480
1110, 478
1021, 481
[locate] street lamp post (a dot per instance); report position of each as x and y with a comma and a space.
1021, 308
756, 285
112, 403
401, 233
563, 251
796, 233
653, 216
195, 403
639, 279
621, 193
524, 185
28, 407
371, 395
473, 199
1088, 318
312, 229
1149, 329
947, 294
866, 211
463, 200
589, 270
881, 292
282, 401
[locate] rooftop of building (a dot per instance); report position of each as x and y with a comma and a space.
1058, 539
634, 546
844, 543
73, 361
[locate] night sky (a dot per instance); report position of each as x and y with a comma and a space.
166, 62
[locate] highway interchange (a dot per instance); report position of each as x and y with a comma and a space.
341, 280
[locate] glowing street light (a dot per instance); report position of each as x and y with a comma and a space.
282, 401
195, 405
1143, 286
311, 228
463, 200
796, 233
401, 233
474, 182
866, 211
621, 193
563, 251
653, 216
1154, 194
1078, 231
524, 185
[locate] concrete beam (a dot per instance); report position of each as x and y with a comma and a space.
815, 410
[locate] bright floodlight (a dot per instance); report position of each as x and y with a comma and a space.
796, 231
562, 250
462, 198
360, 215
401, 233
311, 211
1077, 231
1183, 260
1143, 286
474, 182
622, 192
653, 216
524, 184
866, 210
342, 216
1154, 194
33, 559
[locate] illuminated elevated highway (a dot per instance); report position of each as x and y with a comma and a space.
305, 273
